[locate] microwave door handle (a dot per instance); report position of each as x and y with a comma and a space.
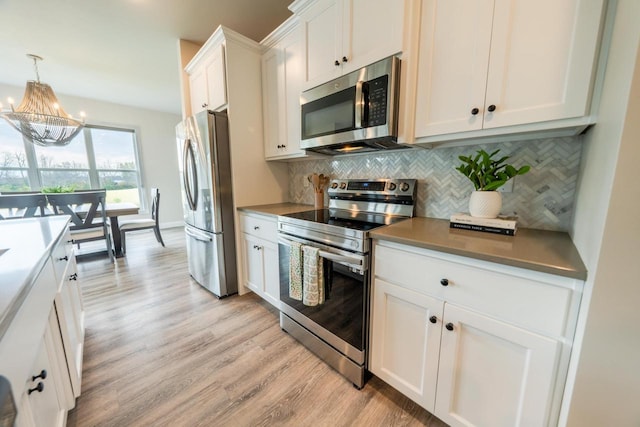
359, 104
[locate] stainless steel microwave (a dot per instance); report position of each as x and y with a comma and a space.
355, 113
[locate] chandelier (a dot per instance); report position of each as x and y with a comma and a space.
39, 117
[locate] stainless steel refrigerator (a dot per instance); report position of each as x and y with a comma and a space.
205, 175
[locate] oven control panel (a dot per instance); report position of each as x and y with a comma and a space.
400, 187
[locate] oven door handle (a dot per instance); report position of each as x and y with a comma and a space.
352, 261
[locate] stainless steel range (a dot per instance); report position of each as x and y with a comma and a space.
336, 329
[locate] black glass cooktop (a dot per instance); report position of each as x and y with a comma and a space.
362, 221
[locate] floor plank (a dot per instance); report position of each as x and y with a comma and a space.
162, 351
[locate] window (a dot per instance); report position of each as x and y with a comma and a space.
98, 157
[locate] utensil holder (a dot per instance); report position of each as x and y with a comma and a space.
319, 200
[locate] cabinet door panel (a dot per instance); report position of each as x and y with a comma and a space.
404, 343
252, 264
454, 46
323, 29
492, 373
292, 80
216, 78
198, 90
273, 100
542, 54
372, 30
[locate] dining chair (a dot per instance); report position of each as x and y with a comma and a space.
88, 215
13, 206
144, 223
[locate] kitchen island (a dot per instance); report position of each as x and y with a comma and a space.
41, 320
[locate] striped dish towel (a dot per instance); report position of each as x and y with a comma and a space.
295, 271
313, 277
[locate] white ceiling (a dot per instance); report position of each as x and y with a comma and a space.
121, 51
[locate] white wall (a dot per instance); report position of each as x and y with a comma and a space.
607, 233
155, 132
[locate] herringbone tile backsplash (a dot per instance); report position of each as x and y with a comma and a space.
543, 198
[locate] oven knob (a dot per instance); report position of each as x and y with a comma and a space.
343, 185
392, 186
334, 185
404, 186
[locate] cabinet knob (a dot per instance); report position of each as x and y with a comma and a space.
37, 388
256, 247
449, 326
73, 276
337, 63
42, 374
491, 108
205, 105
256, 227
64, 258
345, 59
433, 319
444, 282
474, 111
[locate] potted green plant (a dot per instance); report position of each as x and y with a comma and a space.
487, 175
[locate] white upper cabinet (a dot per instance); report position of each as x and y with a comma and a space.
344, 35
492, 64
207, 80
282, 73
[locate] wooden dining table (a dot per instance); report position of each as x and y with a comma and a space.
113, 211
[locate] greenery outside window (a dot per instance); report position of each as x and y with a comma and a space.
99, 157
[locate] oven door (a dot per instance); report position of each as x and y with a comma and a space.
341, 321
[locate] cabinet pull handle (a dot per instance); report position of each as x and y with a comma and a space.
491, 108
433, 319
474, 111
42, 374
337, 63
345, 59
449, 326
73, 276
64, 258
444, 282
70, 241
37, 388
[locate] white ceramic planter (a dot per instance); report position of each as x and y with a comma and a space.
485, 204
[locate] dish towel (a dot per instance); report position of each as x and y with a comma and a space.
295, 271
312, 277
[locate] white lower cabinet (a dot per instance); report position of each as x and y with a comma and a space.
470, 361
260, 256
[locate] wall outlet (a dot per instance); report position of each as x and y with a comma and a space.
507, 187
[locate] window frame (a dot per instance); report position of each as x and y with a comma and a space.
34, 172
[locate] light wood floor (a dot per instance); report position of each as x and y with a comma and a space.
162, 351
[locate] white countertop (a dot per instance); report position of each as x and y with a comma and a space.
29, 243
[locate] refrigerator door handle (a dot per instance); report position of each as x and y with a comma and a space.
198, 236
188, 174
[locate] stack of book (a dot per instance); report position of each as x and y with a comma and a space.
499, 225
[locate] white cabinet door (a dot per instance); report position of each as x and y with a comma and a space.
541, 61
216, 78
454, 49
70, 313
293, 58
405, 340
498, 63
253, 264
273, 101
198, 90
271, 273
372, 30
492, 373
322, 26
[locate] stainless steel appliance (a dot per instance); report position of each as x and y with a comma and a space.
205, 169
337, 330
355, 113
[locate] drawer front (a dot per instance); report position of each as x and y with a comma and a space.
61, 255
531, 303
260, 226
